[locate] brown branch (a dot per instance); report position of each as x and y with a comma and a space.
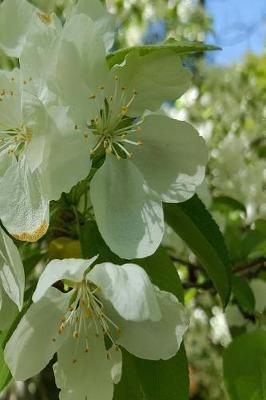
259, 262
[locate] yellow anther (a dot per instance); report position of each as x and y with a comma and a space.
45, 18
89, 312
124, 110
76, 335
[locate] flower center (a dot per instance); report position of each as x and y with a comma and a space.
85, 311
14, 140
115, 132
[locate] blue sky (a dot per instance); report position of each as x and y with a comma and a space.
240, 26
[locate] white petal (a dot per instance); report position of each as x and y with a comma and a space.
36, 338
10, 99
116, 359
97, 12
81, 67
11, 270
71, 269
143, 74
172, 158
84, 375
15, 19
129, 289
128, 214
156, 340
23, 208
66, 160
19, 19
8, 310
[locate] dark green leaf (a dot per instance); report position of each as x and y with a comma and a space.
225, 203
179, 47
194, 224
154, 380
245, 367
243, 294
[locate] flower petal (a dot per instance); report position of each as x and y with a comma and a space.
23, 207
81, 68
82, 372
10, 99
97, 12
13, 30
129, 215
129, 289
11, 270
17, 19
156, 340
8, 310
71, 269
116, 359
172, 158
156, 77
61, 170
36, 338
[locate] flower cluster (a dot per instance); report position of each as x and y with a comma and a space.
67, 115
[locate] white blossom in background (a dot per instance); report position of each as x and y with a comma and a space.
12, 281
240, 175
116, 302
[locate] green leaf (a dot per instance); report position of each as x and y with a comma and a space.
5, 375
145, 380
225, 203
154, 380
244, 364
194, 224
182, 47
243, 294
260, 226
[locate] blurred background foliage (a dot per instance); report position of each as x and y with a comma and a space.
227, 105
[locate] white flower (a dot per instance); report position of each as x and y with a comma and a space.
38, 161
118, 303
12, 280
20, 20
147, 158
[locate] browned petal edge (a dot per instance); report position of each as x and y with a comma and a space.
32, 236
